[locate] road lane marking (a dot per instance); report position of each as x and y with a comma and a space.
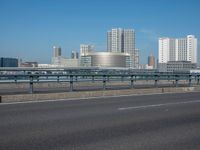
158, 105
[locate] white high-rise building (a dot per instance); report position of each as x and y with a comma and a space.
122, 41
115, 40
163, 53
85, 60
192, 48
183, 49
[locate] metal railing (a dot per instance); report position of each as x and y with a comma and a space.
91, 75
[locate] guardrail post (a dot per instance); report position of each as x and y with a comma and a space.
31, 85
71, 83
190, 81
156, 83
132, 82
108, 78
15, 79
92, 79
104, 82
176, 84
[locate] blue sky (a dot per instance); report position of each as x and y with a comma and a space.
30, 28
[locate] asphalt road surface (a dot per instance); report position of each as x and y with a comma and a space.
149, 122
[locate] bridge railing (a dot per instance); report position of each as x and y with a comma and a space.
72, 76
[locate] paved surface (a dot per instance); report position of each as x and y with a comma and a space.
151, 122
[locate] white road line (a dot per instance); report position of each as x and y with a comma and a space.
158, 105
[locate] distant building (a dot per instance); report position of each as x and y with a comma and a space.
122, 41
105, 59
85, 49
137, 59
8, 62
56, 51
173, 66
29, 64
59, 61
85, 59
56, 59
183, 49
115, 40
151, 61
74, 55
177, 54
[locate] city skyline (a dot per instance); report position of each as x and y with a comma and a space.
31, 28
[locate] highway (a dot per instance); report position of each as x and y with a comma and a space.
148, 122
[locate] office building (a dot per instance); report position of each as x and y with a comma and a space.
177, 66
85, 59
192, 48
183, 49
115, 40
29, 64
8, 62
59, 61
74, 55
122, 41
137, 59
85, 49
56, 51
151, 61
106, 59
167, 50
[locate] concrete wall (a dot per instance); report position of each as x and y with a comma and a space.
86, 94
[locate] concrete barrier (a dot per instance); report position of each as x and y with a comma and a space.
88, 94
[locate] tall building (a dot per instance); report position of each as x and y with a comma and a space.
122, 41
137, 59
85, 60
151, 61
74, 55
84, 49
183, 49
56, 51
106, 59
29, 64
115, 40
167, 50
56, 59
8, 62
192, 48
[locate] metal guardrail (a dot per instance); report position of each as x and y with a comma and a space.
72, 75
